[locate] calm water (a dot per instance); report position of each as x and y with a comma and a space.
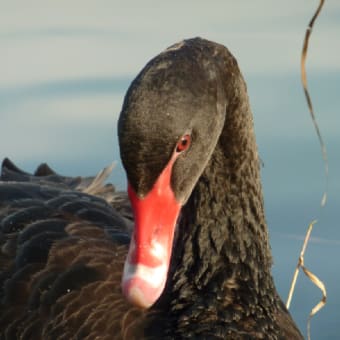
71, 125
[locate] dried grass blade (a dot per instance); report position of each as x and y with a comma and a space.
311, 276
308, 98
323, 300
299, 264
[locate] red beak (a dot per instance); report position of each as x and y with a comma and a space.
147, 263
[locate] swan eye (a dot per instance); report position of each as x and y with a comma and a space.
183, 144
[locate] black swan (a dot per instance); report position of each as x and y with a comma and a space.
199, 262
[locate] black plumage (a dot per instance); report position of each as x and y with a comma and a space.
63, 245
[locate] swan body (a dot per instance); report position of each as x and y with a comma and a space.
197, 262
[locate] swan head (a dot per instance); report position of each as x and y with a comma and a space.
171, 120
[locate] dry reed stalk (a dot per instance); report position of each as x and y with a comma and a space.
300, 263
311, 276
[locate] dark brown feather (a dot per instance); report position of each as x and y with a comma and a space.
62, 253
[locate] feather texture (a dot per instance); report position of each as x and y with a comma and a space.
64, 240
62, 253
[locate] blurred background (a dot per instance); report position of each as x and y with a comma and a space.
65, 67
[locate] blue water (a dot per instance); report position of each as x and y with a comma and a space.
43, 122
293, 179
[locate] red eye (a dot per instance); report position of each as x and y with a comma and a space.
184, 143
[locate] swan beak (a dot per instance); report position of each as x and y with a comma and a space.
147, 263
